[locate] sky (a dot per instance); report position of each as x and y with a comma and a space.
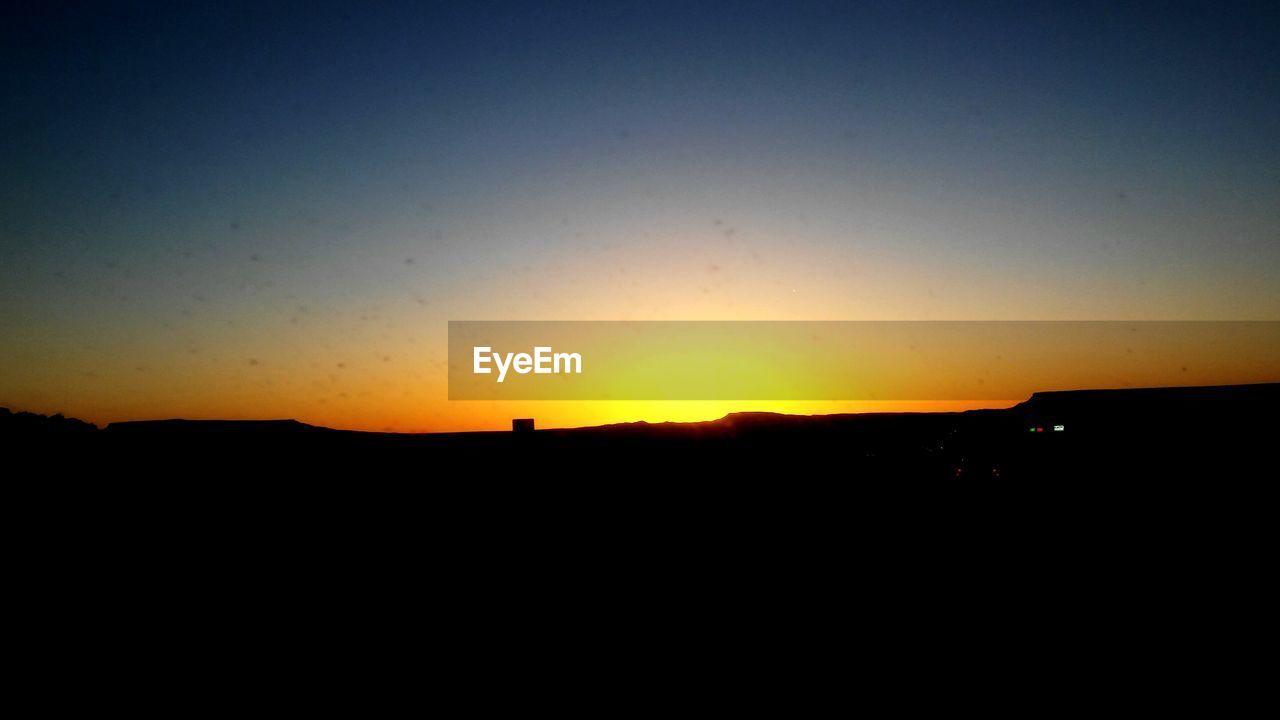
262, 210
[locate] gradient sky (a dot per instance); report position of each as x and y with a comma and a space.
245, 211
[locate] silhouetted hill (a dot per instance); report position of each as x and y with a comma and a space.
26, 423
199, 427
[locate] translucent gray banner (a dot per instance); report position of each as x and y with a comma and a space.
929, 360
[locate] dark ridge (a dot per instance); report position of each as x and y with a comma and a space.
1063, 398
1084, 435
1096, 404
196, 427
1143, 406
21, 423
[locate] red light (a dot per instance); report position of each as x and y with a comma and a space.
1039, 429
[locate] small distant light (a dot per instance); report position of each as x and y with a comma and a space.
1039, 429
1059, 428
1033, 429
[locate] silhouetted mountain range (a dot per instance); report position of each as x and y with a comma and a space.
1074, 433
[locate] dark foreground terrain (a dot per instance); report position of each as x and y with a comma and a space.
1145, 507
1152, 435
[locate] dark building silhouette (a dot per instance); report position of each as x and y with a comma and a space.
522, 425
